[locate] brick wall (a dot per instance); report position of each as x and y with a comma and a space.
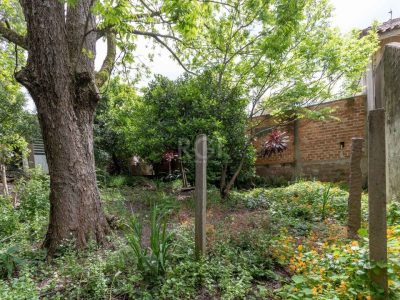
323, 147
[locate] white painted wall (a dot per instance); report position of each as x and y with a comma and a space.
40, 160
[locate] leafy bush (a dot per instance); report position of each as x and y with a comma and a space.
22, 287
9, 222
269, 182
394, 213
151, 261
34, 195
34, 206
298, 205
9, 262
333, 271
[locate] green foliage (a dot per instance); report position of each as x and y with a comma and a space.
16, 124
298, 205
283, 53
172, 113
9, 262
22, 287
325, 199
152, 261
34, 200
9, 220
394, 213
252, 57
113, 125
277, 249
334, 271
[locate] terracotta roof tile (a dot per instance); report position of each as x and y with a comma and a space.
385, 26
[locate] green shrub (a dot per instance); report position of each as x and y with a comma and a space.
9, 222
19, 288
34, 206
9, 261
298, 205
34, 195
394, 213
118, 181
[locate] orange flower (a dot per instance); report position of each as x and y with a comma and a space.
315, 291
343, 285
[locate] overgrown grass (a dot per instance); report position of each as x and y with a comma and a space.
276, 243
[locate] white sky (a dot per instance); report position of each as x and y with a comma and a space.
348, 14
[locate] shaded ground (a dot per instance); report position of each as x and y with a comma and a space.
223, 222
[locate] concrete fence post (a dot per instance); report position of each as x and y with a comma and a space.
390, 92
377, 196
200, 195
355, 190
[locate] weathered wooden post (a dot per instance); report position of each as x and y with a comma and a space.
200, 195
355, 190
377, 196
4, 179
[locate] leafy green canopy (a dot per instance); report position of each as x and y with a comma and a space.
284, 54
115, 118
280, 54
170, 115
16, 124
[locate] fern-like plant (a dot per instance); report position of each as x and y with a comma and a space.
9, 262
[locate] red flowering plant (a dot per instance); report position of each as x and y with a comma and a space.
276, 142
169, 155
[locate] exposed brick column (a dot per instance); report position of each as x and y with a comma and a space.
298, 170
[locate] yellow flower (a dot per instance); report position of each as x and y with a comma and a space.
354, 243
300, 248
343, 284
314, 291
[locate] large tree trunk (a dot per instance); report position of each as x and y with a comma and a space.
60, 79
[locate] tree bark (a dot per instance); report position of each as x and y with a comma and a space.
222, 181
227, 189
4, 179
60, 77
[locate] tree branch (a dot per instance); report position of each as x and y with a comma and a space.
13, 37
155, 34
173, 54
108, 63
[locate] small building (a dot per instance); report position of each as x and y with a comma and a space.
37, 156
